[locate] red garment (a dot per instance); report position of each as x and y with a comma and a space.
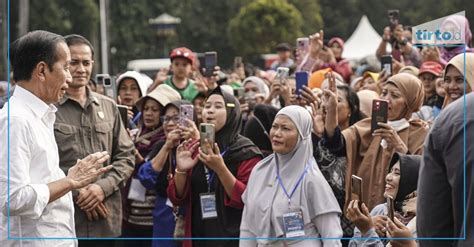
235, 201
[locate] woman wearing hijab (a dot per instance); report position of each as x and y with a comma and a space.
368, 154
210, 185
287, 195
132, 85
137, 215
257, 128
454, 78
456, 22
159, 169
401, 184
342, 65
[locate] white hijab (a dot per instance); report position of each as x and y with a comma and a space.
266, 202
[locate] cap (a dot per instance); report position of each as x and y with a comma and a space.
182, 52
431, 67
163, 94
283, 47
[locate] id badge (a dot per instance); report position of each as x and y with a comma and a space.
208, 205
293, 224
137, 191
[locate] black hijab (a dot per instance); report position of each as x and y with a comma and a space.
239, 148
409, 167
257, 128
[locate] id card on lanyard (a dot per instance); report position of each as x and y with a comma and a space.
293, 223
208, 200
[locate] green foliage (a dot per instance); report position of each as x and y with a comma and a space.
261, 25
311, 12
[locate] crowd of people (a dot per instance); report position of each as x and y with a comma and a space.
277, 167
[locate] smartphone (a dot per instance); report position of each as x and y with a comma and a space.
302, 44
379, 113
390, 208
186, 112
239, 93
386, 64
107, 84
393, 18
301, 79
282, 74
210, 61
123, 110
356, 189
238, 62
206, 131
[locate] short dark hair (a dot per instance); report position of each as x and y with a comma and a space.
76, 39
32, 48
354, 105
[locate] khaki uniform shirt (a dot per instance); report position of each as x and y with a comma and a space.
81, 131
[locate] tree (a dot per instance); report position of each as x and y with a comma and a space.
311, 13
261, 25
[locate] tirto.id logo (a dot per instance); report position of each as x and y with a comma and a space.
438, 35
445, 31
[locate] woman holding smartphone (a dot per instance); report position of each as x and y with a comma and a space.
368, 153
210, 184
159, 168
299, 202
401, 184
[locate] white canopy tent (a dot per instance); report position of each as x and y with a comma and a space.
363, 42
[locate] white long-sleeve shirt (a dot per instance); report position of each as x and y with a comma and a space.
33, 162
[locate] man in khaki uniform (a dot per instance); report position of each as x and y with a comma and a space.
85, 122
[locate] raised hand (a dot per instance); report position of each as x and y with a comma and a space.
213, 159
392, 138
398, 230
87, 170
173, 138
316, 43
361, 218
185, 159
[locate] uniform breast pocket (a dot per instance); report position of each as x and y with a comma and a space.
67, 139
104, 136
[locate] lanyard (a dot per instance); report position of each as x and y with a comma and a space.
210, 173
280, 181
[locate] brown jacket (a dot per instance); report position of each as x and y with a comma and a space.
82, 131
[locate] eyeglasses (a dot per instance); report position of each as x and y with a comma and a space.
166, 119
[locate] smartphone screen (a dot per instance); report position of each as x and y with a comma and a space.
186, 112
301, 79
379, 113
206, 131
210, 61
390, 208
302, 44
282, 74
386, 64
238, 62
123, 110
356, 189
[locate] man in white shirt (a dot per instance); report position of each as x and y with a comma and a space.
35, 195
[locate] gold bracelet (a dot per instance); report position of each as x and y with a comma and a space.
178, 172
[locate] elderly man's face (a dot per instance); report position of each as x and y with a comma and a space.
57, 77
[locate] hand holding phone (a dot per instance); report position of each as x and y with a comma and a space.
301, 80
303, 45
282, 75
206, 132
356, 189
390, 208
379, 113
123, 110
386, 64
210, 61
186, 112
